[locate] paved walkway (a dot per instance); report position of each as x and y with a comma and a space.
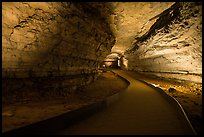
140, 110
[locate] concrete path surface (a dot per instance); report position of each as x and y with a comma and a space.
140, 110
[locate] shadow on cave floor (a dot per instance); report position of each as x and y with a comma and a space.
16, 112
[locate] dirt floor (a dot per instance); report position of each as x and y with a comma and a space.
23, 113
188, 94
18, 114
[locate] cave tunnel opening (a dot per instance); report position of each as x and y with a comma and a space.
115, 60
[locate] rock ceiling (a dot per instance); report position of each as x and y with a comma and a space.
133, 19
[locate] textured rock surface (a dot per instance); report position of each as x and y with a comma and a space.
53, 39
53, 48
174, 48
50, 39
133, 19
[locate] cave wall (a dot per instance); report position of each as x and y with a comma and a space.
171, 49
59, 46
51, 48
53, 39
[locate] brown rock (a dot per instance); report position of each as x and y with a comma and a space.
172, 90
8, 114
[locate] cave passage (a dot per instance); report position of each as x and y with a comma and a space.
151, 111
113, 60
60, 57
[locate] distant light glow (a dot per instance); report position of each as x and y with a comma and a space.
155, 85
108, 64
119, 62
125, 62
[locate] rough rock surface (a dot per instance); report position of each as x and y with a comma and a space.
133, 19
173, 46
53, 38
52, 46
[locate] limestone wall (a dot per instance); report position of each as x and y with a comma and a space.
42, 39
175, 48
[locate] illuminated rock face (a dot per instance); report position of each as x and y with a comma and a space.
175, 49
62, 39
53, 39
132, 19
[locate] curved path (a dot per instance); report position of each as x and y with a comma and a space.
140, 110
